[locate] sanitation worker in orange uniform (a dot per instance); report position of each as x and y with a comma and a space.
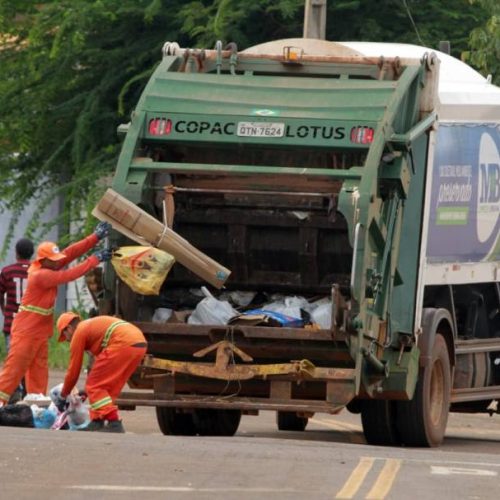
118, 347
33, 324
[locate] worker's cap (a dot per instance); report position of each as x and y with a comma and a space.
49, 250
63, 321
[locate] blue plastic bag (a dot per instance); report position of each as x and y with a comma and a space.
282, 319
44, 418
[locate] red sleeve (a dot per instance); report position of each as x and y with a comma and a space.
77, 350
47, 278
79, 248
3, 287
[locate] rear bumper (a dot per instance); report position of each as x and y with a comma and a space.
212, 390
246, 368
130, 400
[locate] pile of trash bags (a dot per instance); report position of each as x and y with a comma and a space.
237, 307
45, 415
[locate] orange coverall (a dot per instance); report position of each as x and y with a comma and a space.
119, 348
29, 350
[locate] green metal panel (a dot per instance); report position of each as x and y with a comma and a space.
286, 96
403, 374
404, 295
124, 181
369, 257
148, 165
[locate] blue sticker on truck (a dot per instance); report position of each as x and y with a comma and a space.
464, 221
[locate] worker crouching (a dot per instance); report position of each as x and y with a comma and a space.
118, 347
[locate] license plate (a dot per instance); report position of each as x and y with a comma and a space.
260, 129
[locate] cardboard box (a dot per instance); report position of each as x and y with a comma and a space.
133, 222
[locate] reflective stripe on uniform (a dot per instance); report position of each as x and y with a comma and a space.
4, 396
37, 310
109, 331
102, 402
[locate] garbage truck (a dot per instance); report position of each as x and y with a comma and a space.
363, 174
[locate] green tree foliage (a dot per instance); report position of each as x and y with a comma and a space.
485, 41
72, 70
63, 66
420, 22
246, 23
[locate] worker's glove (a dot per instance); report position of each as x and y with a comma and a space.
102, 230
61, 403
104, 255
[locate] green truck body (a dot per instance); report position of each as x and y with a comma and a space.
305, 167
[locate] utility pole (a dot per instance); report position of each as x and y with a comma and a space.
315, 19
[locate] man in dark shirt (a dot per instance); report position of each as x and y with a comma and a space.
12, 285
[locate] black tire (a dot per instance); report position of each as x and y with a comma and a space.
355, 406
174, 423
290, 421
208, 422
379, 422
422, 421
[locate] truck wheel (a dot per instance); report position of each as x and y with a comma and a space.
174, 423
208, 422
379, 422
290, 421
422, 421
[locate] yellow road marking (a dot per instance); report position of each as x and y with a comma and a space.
352, 485
383, 484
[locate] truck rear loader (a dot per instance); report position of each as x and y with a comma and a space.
365, 172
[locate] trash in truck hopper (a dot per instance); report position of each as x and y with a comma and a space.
226, 309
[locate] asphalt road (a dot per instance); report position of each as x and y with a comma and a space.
329, 460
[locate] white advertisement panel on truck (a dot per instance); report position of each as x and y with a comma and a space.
463, 242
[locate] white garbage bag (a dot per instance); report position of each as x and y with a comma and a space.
322, 315
211, 311
161, 315
289, 306
76, 414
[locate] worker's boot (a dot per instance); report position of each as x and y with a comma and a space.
113, 426
16, 396
94, 425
